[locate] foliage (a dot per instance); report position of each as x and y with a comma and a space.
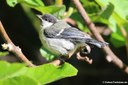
56, 10
112, 13
19, 74
39, 5
117, 20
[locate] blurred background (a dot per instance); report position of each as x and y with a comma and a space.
22, 32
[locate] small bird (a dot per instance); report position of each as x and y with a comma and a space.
60, 38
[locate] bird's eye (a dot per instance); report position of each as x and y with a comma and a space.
48, 20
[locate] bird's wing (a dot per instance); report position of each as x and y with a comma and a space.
69, 33
74, 35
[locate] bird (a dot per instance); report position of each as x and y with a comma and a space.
60, 38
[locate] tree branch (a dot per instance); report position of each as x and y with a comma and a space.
11, 47
110, 56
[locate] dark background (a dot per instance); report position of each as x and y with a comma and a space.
23, 34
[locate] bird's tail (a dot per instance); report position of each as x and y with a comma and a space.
96, 43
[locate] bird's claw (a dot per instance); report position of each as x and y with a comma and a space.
85, 58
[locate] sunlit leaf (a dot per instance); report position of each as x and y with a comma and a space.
118, 19
10, 70
39, 5
19, 74
48, 73
20, 80
31, 3
57, 11
46, 54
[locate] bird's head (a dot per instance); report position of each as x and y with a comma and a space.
47, 20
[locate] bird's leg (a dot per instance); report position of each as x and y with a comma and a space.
80, 48
84, 48
84, 58
59, 60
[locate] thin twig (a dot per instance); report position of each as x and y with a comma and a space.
125, 35
71, 21
11, 47
106, 49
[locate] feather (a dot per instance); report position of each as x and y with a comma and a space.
72, 34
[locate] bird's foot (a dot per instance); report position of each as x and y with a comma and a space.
84, 58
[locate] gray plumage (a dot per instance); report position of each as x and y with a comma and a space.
59, 37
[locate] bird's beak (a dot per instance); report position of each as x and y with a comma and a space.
39, 16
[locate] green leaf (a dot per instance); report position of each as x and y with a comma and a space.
12, 3
117, 40
104, 15
20, 80
118, 20
53, 9
43, 74
10, 70
48, 73
31, 3
121, 7
46, 54
39, 5
91, 6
